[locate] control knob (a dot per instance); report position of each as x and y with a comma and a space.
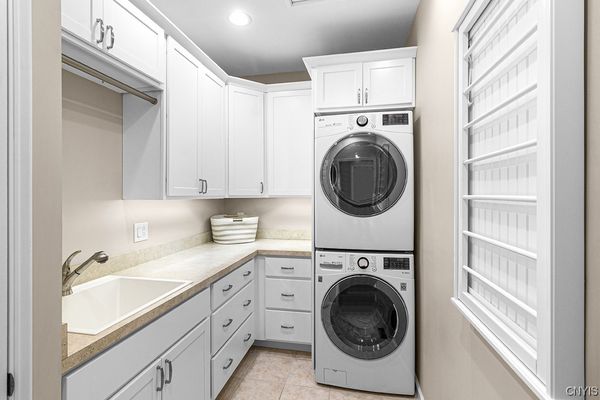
363, 263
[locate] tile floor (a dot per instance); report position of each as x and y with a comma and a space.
270, 374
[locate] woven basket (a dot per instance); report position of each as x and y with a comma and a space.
232, 229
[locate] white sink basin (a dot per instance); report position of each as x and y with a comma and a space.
99, 304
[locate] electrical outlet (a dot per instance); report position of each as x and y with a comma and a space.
140, 232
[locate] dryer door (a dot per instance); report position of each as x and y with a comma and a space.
364, 317
363, 174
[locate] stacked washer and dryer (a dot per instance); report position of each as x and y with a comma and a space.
363, 235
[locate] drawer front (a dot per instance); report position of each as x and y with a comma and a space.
229, 357
288, 267
288, 294
226, 320
288, 326
226, 287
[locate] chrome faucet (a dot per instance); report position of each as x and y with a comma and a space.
68, 276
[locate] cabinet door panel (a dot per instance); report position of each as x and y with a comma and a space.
289, 143
182, 122
142, 387
213, 135
246, 142
339, 86
187, 366
79, 18
138, 41
389, 83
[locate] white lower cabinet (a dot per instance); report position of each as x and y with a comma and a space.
227, 319
288, 326
142, 387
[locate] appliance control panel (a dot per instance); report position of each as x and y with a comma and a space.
396, 264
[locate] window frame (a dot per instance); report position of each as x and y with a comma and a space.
560, 198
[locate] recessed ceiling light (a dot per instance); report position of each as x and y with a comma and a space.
239, 18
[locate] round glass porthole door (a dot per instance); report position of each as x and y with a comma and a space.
364, 317
363, 174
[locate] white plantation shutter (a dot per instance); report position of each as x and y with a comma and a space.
504, 180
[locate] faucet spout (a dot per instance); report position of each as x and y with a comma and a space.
69, 276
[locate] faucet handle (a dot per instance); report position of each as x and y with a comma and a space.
66, 267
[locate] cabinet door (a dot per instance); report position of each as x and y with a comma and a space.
389, 83
289, 143
144, 386
246, 142
187, 366
79, 18
338, 86
134, 38
213, 135
183, 108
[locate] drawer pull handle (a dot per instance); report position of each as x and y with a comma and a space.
287, 326
287, 268
247, 273
229, 322
228, 288
247, 303
248, 336
161, 382
228, 363
287, 294
170, 378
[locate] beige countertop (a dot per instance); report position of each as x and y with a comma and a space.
202, 265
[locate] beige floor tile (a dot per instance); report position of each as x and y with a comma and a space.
255, 389
294, 392
302, 374
303, 355
246, 365
229, 389
270, 367
274, 352
347, 394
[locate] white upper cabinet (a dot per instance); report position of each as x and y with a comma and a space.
134, 38
213, 136
120, 29
183, 130
289, 143
339, 86
388, 83
372, 80
246, 142
79, 18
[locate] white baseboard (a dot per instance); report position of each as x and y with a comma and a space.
419, 394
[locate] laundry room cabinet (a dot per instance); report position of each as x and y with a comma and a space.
246, 142
118, 29
377, 80
289, 128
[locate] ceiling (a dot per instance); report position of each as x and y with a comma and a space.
280, 35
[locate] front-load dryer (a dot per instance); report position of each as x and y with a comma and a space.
364, 321
364, 184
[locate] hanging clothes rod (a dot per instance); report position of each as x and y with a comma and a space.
103, 77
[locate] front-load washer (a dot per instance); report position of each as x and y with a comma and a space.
364, 185
364, 321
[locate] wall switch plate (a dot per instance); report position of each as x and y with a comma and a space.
140, 232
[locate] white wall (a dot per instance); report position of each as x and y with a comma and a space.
94, 216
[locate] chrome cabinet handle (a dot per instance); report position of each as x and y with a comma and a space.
228, 288
287, 294
287, 326
247, 303
367, 96
100, 22
262, 188
203, 186
358, 96
248, 336
162, 379
247, 273
229, 322
112, 37
287, 268
228, 363
170, 378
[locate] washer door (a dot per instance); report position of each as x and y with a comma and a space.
364, 317
363, 174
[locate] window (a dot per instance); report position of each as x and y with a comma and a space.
519, 185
